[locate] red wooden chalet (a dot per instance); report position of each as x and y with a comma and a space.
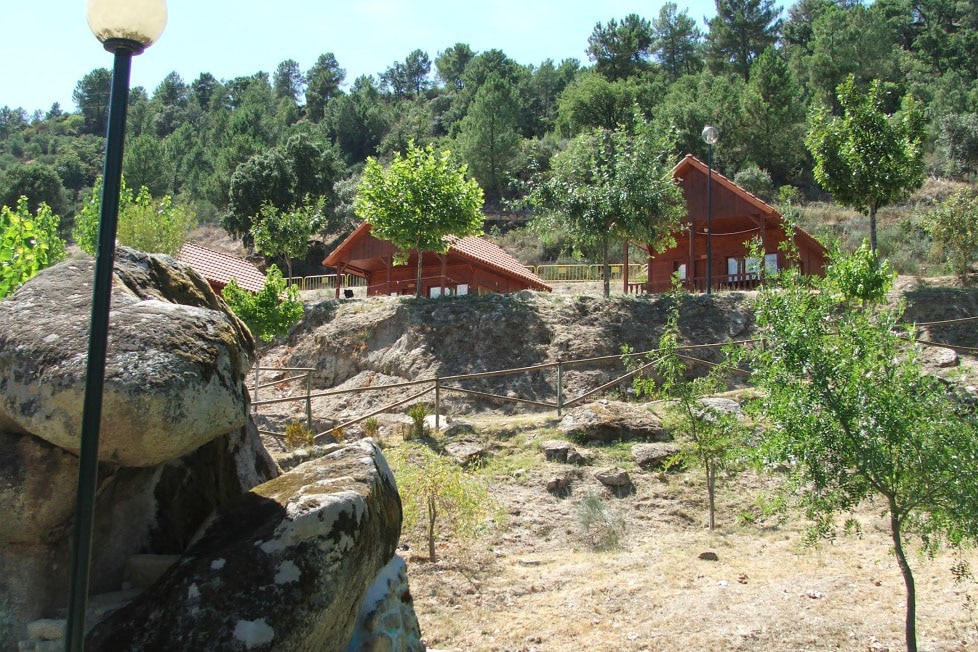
471, 266
218, 268
736, 218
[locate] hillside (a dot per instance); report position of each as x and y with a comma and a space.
535, 582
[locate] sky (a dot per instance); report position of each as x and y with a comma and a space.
48, 47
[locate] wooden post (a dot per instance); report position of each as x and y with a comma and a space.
309, 400
254, 408
624, 273
437, 405
560, 387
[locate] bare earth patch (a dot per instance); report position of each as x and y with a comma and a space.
534, 585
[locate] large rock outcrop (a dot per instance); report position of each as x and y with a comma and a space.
284, 567
177, 441
177, 357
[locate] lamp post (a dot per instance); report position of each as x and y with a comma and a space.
125, 28
710, 136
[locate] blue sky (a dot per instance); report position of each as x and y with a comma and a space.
48, 47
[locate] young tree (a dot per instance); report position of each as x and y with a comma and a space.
438, 496
709, 438
852, 416
145, 223
866, 158
418, 200
286, 232
269, 313
612, 184
29, 242
954, 225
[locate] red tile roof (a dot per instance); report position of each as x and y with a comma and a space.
487, 253
219, 268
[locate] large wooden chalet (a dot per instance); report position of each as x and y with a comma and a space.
471, 266
736, 218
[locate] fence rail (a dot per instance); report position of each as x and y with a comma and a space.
438, 387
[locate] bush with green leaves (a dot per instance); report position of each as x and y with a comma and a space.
438, 497
419, 429
297, 435
954, 226
145, 223
269, 313
29, 243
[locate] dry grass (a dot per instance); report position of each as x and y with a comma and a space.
535, 585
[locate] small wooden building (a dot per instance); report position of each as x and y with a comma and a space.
735, 218
219, 268
471, 266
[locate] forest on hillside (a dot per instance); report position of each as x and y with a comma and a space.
757, 71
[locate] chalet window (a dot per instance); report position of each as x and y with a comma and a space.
743, 269
680, 271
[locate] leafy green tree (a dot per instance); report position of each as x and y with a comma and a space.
958, 137
621, 50
418, 200
954, 226
851, 415
286, 232
288, 81
593, 102
450, 65
357, 121
709, 438
867, 159
775, 130
39, 182
677, 42
408, 78
91, 96
147, 163
439, 497
322, 84
269, 313
544, 87
612, 185
740, 31
29, 242
488, 139
145, 223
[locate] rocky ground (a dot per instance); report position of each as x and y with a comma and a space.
534, 582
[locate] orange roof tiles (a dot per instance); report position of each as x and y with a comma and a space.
219, 268
487, 253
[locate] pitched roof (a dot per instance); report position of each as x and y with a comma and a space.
690, 162
219, 268
477, 250
487, 253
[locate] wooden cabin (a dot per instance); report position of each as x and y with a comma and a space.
470, 266
735, 218
219, 268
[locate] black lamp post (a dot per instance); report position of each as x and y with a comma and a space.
710, 136
125, 28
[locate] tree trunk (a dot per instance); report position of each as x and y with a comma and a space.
606, 268
417, 290
711, 486
911, 619
432, 515
872, 227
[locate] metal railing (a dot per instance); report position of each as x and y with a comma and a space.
325, 282
441, 384
584, 273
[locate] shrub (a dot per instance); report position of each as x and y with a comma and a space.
419, 429
297, 435
603, 526
371, 427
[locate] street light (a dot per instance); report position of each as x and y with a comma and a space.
125, 28
710, 136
